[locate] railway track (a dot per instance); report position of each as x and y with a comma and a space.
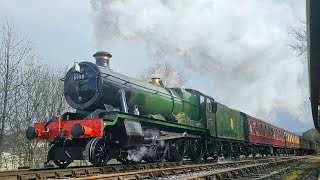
56, 173
199, 171
163, 170
260, 170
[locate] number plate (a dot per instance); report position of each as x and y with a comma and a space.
78, 77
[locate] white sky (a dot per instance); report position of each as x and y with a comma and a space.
63, 32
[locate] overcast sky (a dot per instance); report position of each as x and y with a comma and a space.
235, 51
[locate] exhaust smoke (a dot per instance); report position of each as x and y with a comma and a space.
242, 45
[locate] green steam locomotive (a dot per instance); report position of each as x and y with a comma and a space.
119, 117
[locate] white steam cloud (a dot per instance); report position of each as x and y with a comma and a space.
137, 155
241, 44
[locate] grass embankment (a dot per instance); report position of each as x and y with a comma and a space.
307, 170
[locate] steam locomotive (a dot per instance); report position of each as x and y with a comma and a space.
118, 117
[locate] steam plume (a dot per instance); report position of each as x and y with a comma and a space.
241, 44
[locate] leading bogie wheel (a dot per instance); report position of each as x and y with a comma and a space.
99, 152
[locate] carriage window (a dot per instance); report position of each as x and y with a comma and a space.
201, 101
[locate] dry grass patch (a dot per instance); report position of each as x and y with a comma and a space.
308, 170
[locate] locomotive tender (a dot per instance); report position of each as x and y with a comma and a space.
118, 116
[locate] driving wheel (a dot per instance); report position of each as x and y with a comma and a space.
99, 152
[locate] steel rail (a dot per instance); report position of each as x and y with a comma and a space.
180, 170
238, 171
77, 171
111, 169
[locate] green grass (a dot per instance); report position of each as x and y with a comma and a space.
303, 169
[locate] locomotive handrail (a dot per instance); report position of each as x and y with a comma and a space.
106, 75
156, 121
143, 87
128, 82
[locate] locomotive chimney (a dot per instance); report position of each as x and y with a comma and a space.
102, 58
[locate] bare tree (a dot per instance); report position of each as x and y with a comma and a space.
299, 33
42, 98
30, 91
14, 48
171, 75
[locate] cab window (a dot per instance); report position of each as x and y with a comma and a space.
201, 100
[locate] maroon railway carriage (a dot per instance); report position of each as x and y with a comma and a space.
265, 138
261, 132
307, 146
